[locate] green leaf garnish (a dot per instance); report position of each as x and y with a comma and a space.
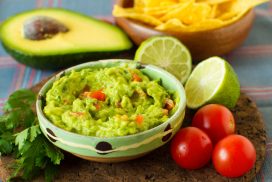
20, 135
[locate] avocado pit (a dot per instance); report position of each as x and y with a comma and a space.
42, 27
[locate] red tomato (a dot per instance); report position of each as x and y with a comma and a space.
136, 77
139, 119
99, 95
215, 120
191, 148
234, 156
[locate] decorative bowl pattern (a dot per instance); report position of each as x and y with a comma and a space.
114, 149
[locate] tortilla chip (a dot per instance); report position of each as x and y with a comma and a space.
129, 13
176, 12
212, 2
213, 11
187, 15
195, 13
206, 25
171, 25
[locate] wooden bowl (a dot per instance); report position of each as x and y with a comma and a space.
202, 44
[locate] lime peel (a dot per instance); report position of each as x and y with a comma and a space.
212, 81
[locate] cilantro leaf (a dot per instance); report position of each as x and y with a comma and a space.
5, 146
28, 168
53, 153
21, 116
21, 138
6, 143
41, 161
36, 153
12, 120
27, 161
50, 172
8, 136
20, 134
18, 109
30, 133
19, 99
34, 132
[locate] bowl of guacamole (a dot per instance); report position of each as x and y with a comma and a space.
111, 110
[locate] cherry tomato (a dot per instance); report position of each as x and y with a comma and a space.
234, 156
215, 120
191, 148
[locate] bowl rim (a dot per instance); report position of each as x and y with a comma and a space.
150, 28
48, 85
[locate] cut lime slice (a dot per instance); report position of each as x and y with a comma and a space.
212, 81
168, 53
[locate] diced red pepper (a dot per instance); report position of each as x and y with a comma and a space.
139, 119
136, 77
99, 95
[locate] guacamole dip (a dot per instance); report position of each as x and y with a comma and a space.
108, 102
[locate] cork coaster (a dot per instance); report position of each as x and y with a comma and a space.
158, 165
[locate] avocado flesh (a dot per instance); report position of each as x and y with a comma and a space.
87, 39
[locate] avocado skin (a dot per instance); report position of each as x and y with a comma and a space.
62, 60
55, 62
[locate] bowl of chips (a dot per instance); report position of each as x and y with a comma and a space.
206, 27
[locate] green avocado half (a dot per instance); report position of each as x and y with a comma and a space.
52, 38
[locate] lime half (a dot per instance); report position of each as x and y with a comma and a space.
212, 81
168, 53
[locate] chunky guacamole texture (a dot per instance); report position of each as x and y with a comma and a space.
108, 102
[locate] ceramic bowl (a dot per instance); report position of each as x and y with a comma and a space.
202, 44
114, 149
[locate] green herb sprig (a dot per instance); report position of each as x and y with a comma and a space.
20, 136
